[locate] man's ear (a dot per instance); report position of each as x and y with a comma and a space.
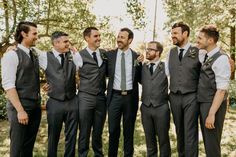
86, 38
23, 34
130, 40
185, 33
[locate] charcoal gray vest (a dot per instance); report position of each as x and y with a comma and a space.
207, 84
154, 87
184, 75
92, 77
27, 76
61, 80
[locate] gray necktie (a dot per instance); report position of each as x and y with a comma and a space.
123, 73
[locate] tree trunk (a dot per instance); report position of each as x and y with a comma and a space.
232, 49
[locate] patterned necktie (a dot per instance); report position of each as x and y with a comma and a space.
181, 54
95, 57
151, 68
62, 59
123, 73
205, 58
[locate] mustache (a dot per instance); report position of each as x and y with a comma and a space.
119, 42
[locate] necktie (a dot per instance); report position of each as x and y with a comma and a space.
95, 57
151, 68
62, 59
123, 73
205, 58
181, 54
31, 55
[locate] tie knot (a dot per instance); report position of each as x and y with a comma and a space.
94, 53
61, 55
181, 50
152, 64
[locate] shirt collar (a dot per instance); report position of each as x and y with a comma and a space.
156, 63
186, 47
55, 52
127, 52
25, 49
91, 51
214, 51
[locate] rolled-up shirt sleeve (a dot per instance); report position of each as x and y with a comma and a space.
77, 59
221, 68
9, 63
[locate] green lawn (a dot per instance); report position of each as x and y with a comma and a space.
228, 139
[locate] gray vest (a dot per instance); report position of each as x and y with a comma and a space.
92, 77
61, 80
207, 84
155, 86
184, 75
27, 76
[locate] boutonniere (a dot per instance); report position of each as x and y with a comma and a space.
136, 63
208, 61
103, 56
192, 53
70, 57
160, 66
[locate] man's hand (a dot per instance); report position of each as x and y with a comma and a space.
73, 50
140, 58
11, 48
46, 87
210, 120
23, 117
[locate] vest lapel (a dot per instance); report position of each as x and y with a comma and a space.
157, 70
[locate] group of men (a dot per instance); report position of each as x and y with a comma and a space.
198, 83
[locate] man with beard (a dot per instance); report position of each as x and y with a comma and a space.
212, 90
124, 72
183, 67
92, 98
20, 80
155, 112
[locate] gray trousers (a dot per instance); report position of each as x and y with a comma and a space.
185, 112
92, 116
59, 112
23, 136
156, 123
212, 137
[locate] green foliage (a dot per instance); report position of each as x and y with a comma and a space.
202, 12
3, 111
137, 12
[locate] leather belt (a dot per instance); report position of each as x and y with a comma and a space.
120, 92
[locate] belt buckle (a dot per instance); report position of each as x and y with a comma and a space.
124, 93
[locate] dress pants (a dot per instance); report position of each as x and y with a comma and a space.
59, 112
121, 106
185, 112
156, 122
23, 136
212, 137
92, 116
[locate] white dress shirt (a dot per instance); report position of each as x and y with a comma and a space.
128, 70
9, 63
186, 47
221, 68
155, 66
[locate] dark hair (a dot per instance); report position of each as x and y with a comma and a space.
159, 46
211, 31
131, 34
184, 27
58, 34
88, 30
25, 27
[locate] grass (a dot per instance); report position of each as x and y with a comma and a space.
228, 143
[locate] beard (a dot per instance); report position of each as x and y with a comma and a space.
177, 42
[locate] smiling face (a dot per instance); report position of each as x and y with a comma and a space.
178, 37
123, 40
202, 41
62, 44
31, 37
94, 39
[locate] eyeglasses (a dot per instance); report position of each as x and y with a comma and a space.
150, 49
